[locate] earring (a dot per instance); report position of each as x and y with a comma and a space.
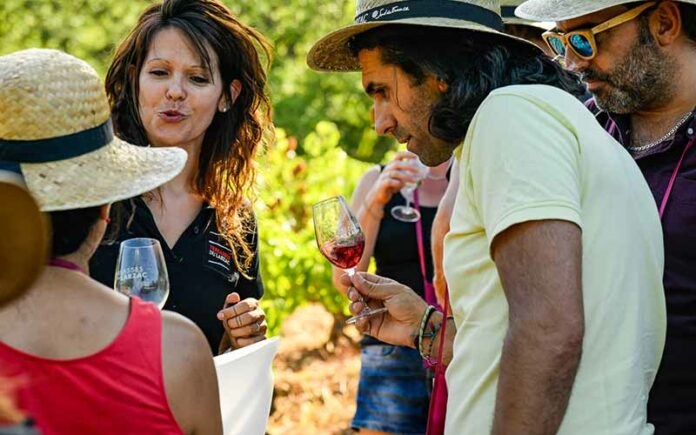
224, 109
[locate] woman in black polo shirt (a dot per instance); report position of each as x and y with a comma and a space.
190, 75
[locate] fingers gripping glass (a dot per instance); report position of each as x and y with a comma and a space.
141, 271
341, 241
582, 42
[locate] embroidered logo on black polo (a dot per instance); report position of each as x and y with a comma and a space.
219, 257
218, 253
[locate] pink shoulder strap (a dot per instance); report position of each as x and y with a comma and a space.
419, 237
428, 289
668, 192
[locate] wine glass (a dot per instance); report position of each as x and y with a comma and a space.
341, 241
406, 213
141, 271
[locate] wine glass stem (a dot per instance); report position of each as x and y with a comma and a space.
350, 273
409, 197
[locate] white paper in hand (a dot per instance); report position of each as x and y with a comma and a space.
245, 380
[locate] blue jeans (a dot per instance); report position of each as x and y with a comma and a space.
394, 390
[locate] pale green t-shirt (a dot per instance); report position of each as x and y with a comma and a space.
534, 152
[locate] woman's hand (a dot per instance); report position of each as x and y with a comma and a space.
399, 325
244, 322
391, 180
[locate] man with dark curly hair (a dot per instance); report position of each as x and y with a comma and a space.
559, 312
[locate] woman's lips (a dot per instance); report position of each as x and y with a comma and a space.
171, 116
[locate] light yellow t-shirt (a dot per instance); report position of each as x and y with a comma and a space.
534, 152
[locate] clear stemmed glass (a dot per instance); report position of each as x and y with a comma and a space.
341, 241
406, 213
141, 271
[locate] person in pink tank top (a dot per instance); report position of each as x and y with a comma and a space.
82, 358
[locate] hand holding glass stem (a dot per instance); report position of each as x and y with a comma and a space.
340, 239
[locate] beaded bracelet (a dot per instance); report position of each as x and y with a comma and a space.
424, 321
423, 334
429, 356
431, 362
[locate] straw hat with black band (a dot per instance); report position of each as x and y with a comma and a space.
56, 132
561, 10
332, 53
23, 238
55, 135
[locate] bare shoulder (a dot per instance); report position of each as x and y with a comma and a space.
187, 365
181, 336
365, 183
371, 174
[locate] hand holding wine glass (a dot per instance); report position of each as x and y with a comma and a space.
392, 177
340, 239
141, 271
406, 213
404, 308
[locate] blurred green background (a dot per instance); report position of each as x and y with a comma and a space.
324, 140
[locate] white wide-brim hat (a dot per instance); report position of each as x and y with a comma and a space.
561, 10
55, 128
507, 11
23, 238
332, 52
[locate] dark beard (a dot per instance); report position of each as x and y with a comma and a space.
644, 78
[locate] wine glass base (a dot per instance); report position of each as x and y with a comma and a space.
365, 313
405, 214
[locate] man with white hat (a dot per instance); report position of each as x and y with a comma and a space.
639, 61
542, 258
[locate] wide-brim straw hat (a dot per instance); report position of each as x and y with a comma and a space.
23, 238
561, 10
55, 125
507, 11
332, 52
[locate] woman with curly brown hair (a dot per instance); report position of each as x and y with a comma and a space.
191, 75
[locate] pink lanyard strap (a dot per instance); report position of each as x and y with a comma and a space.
64, 264
444, 331
668, 192
419, 237
428, 288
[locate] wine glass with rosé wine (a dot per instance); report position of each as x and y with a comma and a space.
341, 241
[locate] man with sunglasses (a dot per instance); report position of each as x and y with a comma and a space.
639, 61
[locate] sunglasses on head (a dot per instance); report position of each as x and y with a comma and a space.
582, 42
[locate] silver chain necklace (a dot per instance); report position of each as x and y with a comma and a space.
672, 131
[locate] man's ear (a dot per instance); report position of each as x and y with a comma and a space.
442, 86
666, 23
235, 90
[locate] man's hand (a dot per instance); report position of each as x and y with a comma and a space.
399, 325
244, 322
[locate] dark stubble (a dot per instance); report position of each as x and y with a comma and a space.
645, 78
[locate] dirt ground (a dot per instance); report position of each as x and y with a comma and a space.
315, 382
